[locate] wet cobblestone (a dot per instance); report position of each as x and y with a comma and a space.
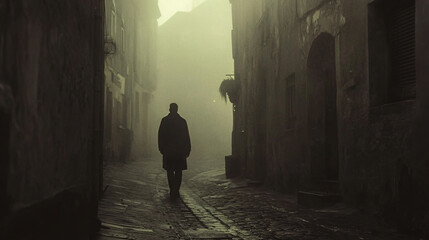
136, 205
270, 215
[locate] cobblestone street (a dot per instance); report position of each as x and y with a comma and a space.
136, 205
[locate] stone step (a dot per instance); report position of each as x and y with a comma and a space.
315, 199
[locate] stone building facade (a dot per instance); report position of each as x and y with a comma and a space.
130, 35
51, 76
333, 93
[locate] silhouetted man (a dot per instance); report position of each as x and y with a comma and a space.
175, 145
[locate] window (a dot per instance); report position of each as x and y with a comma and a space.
290, 101
391, 39
113, 24
402, 33
123, 40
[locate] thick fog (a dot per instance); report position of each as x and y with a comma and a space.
194, 56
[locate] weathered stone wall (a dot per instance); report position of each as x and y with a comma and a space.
119, 76
376, 144
130, 76
145, 81
51, 54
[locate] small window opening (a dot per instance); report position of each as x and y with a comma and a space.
392, 64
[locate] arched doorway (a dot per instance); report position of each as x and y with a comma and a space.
322, 108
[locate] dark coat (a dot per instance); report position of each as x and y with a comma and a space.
174, 142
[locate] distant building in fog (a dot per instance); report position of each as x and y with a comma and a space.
194, 55
328, 100
130, 76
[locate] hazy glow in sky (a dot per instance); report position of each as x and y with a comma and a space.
170, 7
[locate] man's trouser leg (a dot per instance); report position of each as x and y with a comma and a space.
178, 180
171, 181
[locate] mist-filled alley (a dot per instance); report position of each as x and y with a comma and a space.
194, 56
214, 119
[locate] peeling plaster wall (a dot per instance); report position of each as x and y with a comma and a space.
49, 60
377, 145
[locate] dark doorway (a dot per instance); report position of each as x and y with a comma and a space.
322, 109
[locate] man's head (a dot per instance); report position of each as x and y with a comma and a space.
173, 108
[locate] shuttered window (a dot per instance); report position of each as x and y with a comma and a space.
392, 51
403, 62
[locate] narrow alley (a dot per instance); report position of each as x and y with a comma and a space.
214, 119
136, 205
